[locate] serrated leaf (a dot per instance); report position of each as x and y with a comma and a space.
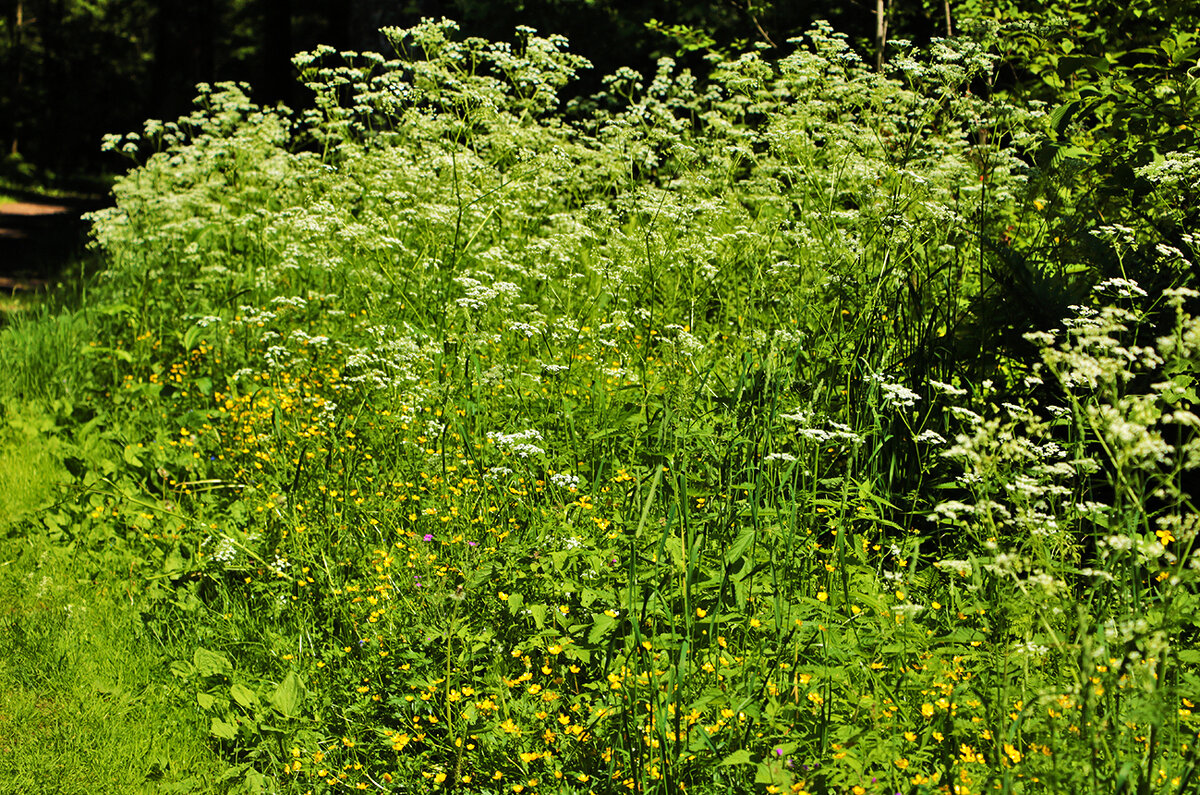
1064, 153
739, 757
738, 549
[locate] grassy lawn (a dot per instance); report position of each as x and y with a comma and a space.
86, 702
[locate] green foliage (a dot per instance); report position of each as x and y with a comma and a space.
454, 439
80, 680
1120, 90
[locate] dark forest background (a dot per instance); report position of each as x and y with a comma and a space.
74, 70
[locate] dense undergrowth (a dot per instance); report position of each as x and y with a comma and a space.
703, 436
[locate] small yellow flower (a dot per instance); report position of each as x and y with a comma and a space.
927, 710
701, 612
901, 763
1012, 753
822, 596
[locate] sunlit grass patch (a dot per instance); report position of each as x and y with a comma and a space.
85, 702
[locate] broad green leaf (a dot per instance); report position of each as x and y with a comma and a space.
131, 455
601, 626
288, 696
191, 337
739, 757
173, 563
243, 695
226, 731
539, 615
211, 663
183, 669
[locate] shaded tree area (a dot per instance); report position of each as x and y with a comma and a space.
77, 69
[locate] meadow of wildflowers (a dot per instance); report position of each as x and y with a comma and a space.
454, 438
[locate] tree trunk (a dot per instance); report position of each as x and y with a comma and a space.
18, 74
881, 26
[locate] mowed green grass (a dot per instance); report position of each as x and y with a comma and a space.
86, 704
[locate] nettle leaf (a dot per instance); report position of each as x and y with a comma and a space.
738, 549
